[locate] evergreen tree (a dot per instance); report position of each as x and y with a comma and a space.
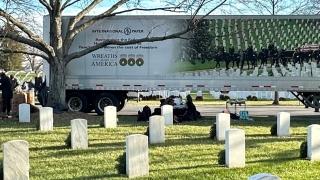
11, 61
201, 42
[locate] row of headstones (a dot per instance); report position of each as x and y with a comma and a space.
235, 137
137, 162
296, 70
16, 158
110, 116
16, 152
79, 132
79, 136
223, 123
137, 145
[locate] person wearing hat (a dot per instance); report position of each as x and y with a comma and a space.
7, 93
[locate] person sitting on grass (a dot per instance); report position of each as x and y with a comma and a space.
191, 113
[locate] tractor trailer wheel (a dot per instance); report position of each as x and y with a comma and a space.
77, 102
105, 99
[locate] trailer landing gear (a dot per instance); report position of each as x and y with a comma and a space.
309, 99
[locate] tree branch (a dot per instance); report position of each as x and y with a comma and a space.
46, 4
213, 9
260, 4
21, 39
82, 13
29, 33
299, 7
24, 52
68, 3
72, 31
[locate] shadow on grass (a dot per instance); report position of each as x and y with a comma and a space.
273, 139
114, 145
15, 124
283, 156
207, 165
48, 148
274, 160
30, 129
265, 121
101, 176
190, 141
75, 153
259, 135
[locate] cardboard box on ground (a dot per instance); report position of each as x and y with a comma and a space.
18, 98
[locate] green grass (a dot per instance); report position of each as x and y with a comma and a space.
187, 66
187, 154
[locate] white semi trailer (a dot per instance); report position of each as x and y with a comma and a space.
105, 76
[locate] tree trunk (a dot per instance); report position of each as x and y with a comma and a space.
276, 98
57, 84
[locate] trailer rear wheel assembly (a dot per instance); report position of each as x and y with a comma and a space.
103, 100
77, 102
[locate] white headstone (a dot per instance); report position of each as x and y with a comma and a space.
79, 134
222, 124
313, 142
110, 117
235, 148
46, 119
156, 129
137, 155
183, 95
24, 112
264, 176
199, 93
16, 160
167, 113
283, 124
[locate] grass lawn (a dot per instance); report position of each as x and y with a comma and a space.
187, 154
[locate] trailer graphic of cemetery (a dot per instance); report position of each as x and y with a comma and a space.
224, 53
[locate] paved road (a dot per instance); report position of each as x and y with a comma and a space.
210, 110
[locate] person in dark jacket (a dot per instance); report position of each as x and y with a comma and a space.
232, 57
7, 93
41, 90
263, 57
14, 82
297, 56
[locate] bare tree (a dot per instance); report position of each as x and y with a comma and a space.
273, 7
33, 62
56, 51
313, 7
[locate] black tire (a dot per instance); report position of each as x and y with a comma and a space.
77, 102
122, 103
105, 99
